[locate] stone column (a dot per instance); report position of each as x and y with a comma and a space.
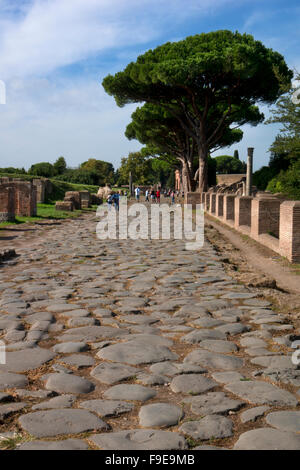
249, 171
7, 204
289, 231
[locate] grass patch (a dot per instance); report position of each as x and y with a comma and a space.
47, 211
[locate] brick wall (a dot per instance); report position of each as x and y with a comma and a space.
25, 198
289, 231
242, 210
7, 204
265, 216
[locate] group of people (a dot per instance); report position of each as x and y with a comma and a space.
155, 195
150, 195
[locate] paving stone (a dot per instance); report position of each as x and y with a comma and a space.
10, 408
107, 407
58, 422
111, 373
67, 444
140, 439
212, 426
152, 379
63, 401
227, 377
220, 346
268, 439
284, 420
68, 383
213, 360
129, 392
4, 397
254, 413
27, 359
78, 360
71, 347
197, 336
214, 403
258, 392
135, 353
274, 362
93, 333
10, 380
160, 414
232, 328
191, 383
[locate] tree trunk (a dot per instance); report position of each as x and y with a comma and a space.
203, 171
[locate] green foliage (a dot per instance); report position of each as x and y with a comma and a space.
60, 166
10, 170
236, 154
262, 177
287, 182
104, 171
138, 165
225, 164
44, 169
213, 80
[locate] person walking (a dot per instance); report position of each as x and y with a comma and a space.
172, 197
137, 193
147, 195
152, 196
158, 196
109, 201
116, 200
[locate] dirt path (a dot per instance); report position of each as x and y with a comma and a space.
260, 258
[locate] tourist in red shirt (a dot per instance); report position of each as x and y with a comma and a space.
158, 196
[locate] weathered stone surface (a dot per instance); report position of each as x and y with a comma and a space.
212, 426
284, 420
10, 380
160, 414
129, 392
68, 383
192, 383
268, 439
253, 413
214, 403
63, 401
213, 360
22, 361
10, 408
93, 333
107, 407
219, 346
149, 439
227, 377
67, 444
111, 373
58, 422
70, 347
135, 352
78, 360
257, 392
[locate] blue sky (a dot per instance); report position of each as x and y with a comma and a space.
55, 53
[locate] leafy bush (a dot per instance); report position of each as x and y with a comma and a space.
287, 182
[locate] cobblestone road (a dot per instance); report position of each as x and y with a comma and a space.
140, 345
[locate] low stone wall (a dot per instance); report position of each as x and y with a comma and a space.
264, 218
17, 197
229, 179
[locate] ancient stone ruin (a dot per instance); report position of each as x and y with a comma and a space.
75, 200
17, 197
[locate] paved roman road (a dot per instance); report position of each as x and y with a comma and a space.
140, 345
